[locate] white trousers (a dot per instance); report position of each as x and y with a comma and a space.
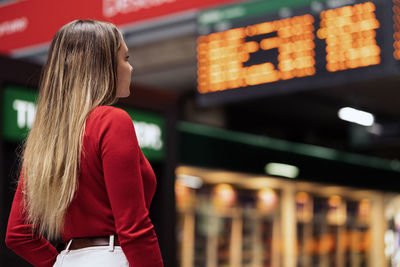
96, 256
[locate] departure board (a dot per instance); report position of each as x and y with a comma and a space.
396, 28
314, 45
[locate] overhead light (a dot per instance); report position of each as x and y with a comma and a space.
190, 181
280, 169
356, 116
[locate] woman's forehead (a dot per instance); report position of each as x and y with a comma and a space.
124, 46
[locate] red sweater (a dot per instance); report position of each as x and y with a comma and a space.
116, 185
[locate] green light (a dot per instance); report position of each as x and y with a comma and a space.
280, 169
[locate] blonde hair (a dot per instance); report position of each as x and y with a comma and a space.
79, 75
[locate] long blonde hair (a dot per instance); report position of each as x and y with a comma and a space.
79, 75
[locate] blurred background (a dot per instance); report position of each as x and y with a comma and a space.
273, 126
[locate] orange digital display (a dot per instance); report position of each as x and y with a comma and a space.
349, 34
396, 27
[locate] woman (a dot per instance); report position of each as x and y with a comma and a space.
83, 177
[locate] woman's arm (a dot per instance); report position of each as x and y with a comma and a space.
120, 155
19, 237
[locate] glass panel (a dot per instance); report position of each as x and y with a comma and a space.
332, 232
227, 226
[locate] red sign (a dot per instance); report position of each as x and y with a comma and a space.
29, 23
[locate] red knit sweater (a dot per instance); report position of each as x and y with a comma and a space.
116, 185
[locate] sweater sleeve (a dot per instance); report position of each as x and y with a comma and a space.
19, 237
120, 154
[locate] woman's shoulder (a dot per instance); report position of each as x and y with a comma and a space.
110, 120
109, 111
101, 115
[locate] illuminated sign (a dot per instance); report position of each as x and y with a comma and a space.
150, 132
350, 34
222, 56
396, 28
16, 25
28, 25
113, 7
19, 110
244, 53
